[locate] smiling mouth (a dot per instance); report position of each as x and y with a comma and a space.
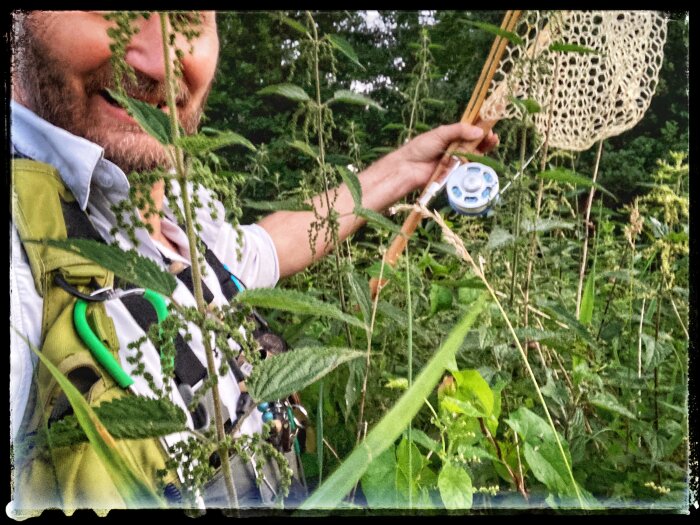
112, 102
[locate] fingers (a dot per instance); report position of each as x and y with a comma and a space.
457, 132
489, 143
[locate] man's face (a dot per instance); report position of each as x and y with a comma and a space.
63, 70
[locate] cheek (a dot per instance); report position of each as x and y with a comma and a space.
200, 66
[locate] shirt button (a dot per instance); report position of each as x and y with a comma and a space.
103, 179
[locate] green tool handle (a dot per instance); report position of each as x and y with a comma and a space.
99, 351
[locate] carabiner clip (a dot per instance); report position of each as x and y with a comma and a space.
101, 354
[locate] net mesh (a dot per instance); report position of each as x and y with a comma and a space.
590, 95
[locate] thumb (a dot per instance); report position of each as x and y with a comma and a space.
458, 132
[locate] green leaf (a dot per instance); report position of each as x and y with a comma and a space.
130, 417
280, 375
361, 293
296, 302
588, 299
571, 177
286, 205
151, 119
562, 315
570, 48
423, 439
289, 91
495, 30
345, 48
294, 25
440, 298
541, 451
127, 265
545, 225
379, 481
455, 487
455, 405
498, 238
130, 486
528, 105
350, 97
353, 184
607, 401
473, 388
201, 143
394, 126
377, 219
482, 159
305, 148
334, 489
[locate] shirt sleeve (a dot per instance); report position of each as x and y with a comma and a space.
252, 257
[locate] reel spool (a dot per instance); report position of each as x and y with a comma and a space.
472, 189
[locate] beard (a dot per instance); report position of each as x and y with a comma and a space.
52, 96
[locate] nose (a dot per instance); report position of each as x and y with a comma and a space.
145, 50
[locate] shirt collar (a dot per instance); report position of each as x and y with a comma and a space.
79, 161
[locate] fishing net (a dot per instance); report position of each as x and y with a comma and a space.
592, 73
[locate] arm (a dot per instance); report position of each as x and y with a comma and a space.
383, 183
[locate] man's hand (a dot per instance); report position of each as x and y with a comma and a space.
383, 183
417, 159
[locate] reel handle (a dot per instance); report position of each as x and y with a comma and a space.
413, 220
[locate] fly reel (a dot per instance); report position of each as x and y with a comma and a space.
472, 189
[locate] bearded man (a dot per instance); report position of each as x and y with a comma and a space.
64, 120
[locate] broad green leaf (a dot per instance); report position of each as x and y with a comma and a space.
350, 97
475, 389
279, 376
305, 148
361, 293
130, 485
607, 401
541, 451
344, 478
127, 265
545, 225
423, 439
440, 298
201, 143
482, 159
499, 238
588, 299
433, 102
394, 126
571, 48
409, 463
353, 184
455, 487
389, 310
379, 481
345, 48
571, 177
377, 219
455, 405
559, 313
293, 301
289, 91
353, 386
130, 417
295, 25
286, 205
495, 30
528, 105
154, 121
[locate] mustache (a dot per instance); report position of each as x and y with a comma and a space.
139, 86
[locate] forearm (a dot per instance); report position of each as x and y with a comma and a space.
381, 186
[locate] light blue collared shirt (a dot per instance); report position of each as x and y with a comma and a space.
80, 162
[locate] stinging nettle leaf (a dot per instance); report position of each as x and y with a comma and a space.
281, 375
498, 238
285, 205
295, 25
345, 48
151, 119
571, 48
353, 184
588, 299
377, 219
508, 35
305, 148
483, 159
565, 175
607, 401
544, 225
297, 302
203, 143
350, 97
289, 91
529, 105
127, 265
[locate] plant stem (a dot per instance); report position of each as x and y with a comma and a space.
326, 187
523, 144
584, 256
196, 272
409, 311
